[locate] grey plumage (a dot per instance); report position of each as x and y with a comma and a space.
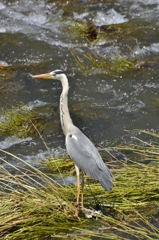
86, 157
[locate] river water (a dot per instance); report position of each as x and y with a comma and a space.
34, 37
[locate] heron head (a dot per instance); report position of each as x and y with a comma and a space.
57, 74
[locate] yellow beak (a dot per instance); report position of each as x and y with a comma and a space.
45, 75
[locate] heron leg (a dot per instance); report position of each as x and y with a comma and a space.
82, 194
78, 189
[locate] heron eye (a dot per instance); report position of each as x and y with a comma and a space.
70, 135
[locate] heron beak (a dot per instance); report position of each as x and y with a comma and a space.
45, 75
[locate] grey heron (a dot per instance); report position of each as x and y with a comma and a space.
79, 148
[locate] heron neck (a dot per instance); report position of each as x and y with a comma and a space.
66, 121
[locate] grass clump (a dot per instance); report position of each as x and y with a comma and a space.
145, 151
34, 206
115, 65
89, 31
31, 204
93, 34
20, 121
63, 164
135, 185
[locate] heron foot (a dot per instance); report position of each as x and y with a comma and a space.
76, 214
80, 208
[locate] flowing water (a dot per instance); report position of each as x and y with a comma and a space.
34, 38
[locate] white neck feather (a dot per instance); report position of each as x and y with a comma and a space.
66, 121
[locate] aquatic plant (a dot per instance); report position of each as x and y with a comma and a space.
19, 121
146, 151
93, 34
34, 206
115, 65
30, 200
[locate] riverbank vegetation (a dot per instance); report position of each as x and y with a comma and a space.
21, 121
115, 65
34, 205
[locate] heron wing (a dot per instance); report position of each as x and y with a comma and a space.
85, 155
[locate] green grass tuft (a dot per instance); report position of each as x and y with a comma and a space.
112, 66
19, 121
34, 206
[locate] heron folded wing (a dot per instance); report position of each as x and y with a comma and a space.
101, 176
85, 155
